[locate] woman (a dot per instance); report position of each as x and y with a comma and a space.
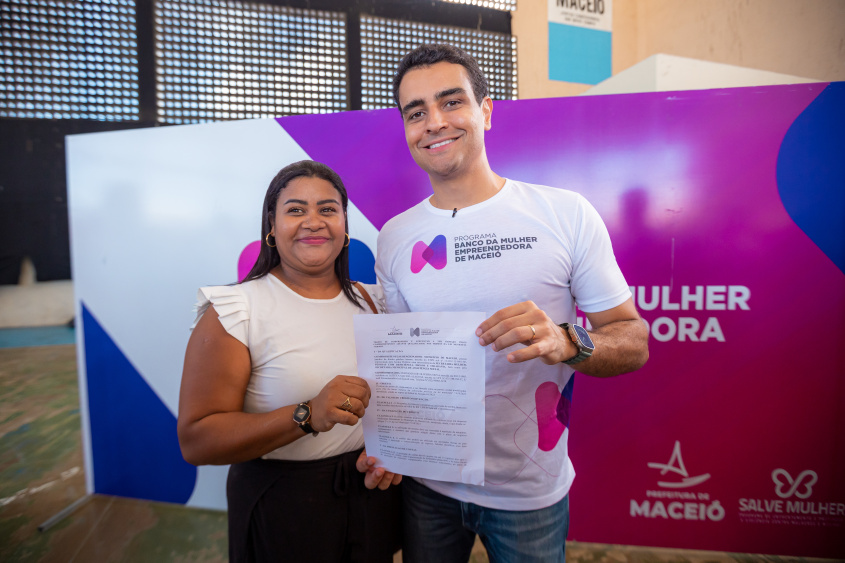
270, 386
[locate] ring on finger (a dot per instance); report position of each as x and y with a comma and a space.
533, 332
347, 406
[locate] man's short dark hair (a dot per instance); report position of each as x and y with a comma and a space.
433, 53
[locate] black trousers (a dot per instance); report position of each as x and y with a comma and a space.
316, 511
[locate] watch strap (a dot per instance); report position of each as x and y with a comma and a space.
577, 358
583, 353
306, 424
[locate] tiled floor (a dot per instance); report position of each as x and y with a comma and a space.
41, 473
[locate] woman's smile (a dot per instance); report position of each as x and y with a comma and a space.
313, 240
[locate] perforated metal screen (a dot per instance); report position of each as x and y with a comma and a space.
384, 42
504, 5
69, 60
218, 60
214, 59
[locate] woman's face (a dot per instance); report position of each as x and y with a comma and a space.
309, 226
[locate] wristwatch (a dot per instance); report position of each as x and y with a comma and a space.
302, 416
581, 338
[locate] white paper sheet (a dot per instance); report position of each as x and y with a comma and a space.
426, 374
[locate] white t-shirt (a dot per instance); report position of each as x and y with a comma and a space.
527, 242
296, 346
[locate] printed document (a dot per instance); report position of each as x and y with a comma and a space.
426, 375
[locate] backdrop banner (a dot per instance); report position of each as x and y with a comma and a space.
727, 213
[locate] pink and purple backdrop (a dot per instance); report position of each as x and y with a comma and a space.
726, 209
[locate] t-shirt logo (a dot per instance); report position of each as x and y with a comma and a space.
434, 254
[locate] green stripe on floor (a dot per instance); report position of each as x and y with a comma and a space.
36, 336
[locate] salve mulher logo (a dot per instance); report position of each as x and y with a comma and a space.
434, 254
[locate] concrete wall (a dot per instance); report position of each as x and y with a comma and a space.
32, 303
797, 38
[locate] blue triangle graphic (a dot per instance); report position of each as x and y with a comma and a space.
133, 434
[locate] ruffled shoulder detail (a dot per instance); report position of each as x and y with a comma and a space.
376, 294
232, 309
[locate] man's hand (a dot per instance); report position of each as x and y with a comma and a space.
530, 325
375, 476
620, 336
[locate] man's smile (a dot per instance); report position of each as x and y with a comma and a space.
439, 144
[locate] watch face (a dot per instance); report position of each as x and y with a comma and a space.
301, 413
583, 336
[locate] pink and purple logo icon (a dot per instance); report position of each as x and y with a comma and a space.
434, 254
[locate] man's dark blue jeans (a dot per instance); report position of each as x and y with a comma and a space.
442, 530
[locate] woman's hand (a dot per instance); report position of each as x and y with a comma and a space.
327, 408
375, 476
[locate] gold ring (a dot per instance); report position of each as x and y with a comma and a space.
533, 332
347, 406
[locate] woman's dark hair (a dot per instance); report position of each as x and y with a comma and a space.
433, 53
268, 257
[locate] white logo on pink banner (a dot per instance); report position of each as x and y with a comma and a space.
676, 465
783, 480
677, 504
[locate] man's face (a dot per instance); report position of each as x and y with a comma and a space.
444, 125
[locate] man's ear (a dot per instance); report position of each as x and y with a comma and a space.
487, 110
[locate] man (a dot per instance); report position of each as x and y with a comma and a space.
548, 250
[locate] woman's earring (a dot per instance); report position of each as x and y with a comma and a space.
267, 240
348, 240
